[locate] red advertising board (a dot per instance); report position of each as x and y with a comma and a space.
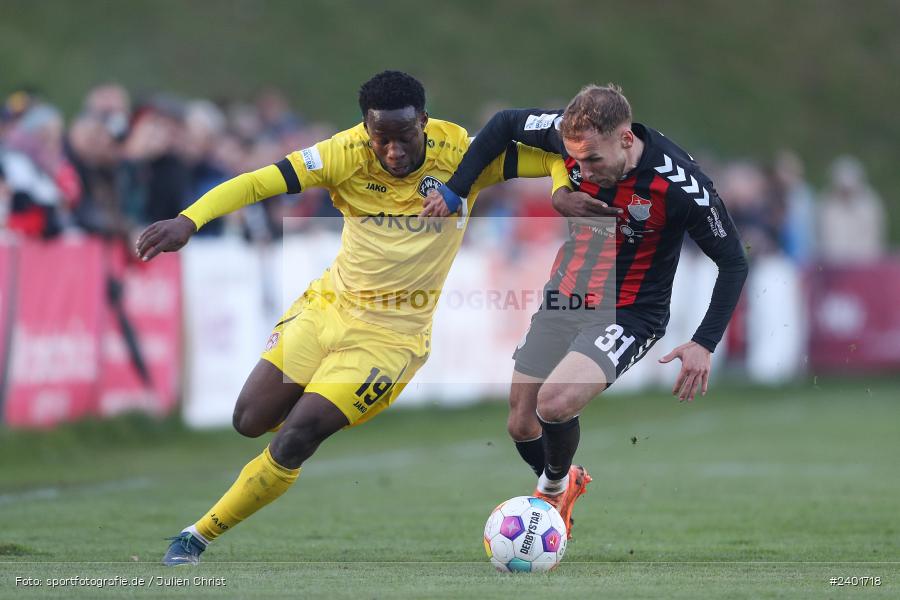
58, 295
855, 322
140, 355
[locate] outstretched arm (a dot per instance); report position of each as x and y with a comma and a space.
518, 161
322, 165
532, 127
172, 234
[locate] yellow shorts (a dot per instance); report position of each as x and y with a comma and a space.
361, 368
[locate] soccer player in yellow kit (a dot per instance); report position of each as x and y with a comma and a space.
347, 347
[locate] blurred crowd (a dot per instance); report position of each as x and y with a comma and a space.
120, 164
777, 211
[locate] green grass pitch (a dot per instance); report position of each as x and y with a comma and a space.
747, 493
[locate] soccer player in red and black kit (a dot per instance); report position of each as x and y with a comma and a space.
614, 273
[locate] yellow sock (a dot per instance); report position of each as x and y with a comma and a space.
261, 481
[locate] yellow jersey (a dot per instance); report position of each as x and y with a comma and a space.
392, 265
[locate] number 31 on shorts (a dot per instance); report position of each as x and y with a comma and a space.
607, 342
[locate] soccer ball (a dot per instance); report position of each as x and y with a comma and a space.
525, 534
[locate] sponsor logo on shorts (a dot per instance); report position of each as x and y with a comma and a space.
273, 341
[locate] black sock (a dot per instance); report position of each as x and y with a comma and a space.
532, 452
560, 444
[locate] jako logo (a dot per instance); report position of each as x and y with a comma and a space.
376, 187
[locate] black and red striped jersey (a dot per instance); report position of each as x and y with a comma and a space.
630, 260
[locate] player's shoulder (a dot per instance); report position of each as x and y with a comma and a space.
353, 141
667, 159
660, 147
539, 119
446, 131
446, 142
341, 155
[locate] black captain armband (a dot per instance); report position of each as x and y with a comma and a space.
511, 162
290, 176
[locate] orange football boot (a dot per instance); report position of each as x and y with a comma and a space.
563, 502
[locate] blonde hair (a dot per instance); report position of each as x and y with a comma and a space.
598, 108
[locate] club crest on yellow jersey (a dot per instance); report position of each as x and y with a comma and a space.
429, 183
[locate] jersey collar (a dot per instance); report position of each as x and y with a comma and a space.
646, 160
